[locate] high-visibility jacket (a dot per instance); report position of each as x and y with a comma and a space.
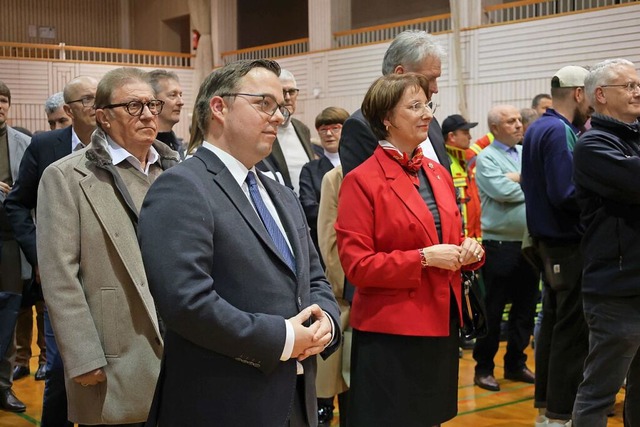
468, 198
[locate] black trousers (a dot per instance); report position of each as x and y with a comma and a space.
507, 277
298, 417
562, 345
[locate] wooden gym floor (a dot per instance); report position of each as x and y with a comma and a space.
512, 406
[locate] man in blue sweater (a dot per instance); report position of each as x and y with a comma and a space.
507, 275
553, 219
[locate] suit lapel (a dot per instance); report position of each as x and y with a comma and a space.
114, 219
62, 146
407, 193
16, 151
325, 166
306, 144
222, 177
281, 163
437, 142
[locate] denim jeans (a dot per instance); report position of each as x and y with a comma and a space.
54, 401
614, 339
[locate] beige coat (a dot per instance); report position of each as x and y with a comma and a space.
333, 373
96, 289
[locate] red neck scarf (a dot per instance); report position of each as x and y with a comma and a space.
410, 165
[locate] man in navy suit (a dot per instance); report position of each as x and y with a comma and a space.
412, 51
46, 148
243, 296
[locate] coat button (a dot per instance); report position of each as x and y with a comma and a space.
412, 226
412, 294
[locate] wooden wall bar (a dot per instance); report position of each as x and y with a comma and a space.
75, 22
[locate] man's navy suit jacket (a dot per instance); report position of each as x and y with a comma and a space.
45, 148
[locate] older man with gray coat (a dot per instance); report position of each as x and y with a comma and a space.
92, 274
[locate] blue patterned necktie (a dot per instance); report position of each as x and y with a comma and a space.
269, 222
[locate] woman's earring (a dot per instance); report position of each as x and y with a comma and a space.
386, 127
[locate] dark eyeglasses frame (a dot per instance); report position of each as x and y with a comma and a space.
85, 101
283, 110
290, 92
128, 105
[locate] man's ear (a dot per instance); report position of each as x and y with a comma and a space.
68, 111
218, 107
101, 118
399, 70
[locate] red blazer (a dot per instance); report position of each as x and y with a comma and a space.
382, 222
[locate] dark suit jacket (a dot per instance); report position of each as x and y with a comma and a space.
310, 185
45, 148
224, 294
276, 162
357, 142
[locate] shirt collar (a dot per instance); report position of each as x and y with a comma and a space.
119, 154
334, 158
237, 169
75, 141
504, 147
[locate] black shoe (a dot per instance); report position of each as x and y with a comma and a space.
487, 382
9, 401
523, 375
41, 372
325, 414
20, 372
468, 344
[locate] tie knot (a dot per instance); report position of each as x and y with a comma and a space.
251, 179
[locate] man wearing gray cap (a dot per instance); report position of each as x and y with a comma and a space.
553, 219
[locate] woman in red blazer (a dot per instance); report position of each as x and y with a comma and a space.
401, 244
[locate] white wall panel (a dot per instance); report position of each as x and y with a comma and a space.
32, 82
501, 64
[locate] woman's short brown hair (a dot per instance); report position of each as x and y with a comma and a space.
332, 116
383, 96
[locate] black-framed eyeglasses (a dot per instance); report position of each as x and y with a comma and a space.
267, 105
629, 87
87, 101
291, 92
421, 107
135, 108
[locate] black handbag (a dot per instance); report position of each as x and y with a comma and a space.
474, 314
